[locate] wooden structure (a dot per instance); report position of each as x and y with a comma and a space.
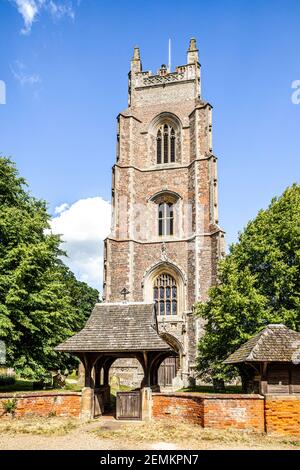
167, 371
129, 405
269, 363
117, 330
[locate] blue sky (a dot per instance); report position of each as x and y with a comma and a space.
65, 66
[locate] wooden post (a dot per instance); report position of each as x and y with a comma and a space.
263, 389
97, 375
106, 374
106, 385
291, 388
146, 380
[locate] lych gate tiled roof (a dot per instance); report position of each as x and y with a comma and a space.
274, 343
116, 327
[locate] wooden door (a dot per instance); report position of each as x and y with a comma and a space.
167, 371
128, 405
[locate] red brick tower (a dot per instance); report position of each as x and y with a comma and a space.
165, 240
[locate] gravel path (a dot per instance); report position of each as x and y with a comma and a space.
79, 439
82, 438
76, 440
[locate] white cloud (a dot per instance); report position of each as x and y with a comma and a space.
28, 9
83, 226
31, 9
20, 73
58, 10
61, 208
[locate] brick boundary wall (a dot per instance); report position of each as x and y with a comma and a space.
43, 403
282, 414
278, 414
274, 414
220, 411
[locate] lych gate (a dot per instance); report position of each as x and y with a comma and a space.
269, 362
116, 330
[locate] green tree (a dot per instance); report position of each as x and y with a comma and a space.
259, 283
41, 302
83, 298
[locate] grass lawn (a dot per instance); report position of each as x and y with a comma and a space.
21, 385
210, 389
24, 385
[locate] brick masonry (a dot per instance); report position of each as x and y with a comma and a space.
277, 415
212, 411
134, 253
43, 404
282, 414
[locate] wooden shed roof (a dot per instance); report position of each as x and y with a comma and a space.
275, 343
115, 327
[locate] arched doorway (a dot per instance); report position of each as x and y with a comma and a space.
126, 373
171, 366
167, 371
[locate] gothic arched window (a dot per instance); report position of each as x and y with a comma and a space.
165, 294
165, 144
165, 218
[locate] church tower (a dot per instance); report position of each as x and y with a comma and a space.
165, 239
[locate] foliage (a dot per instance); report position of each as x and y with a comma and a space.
259, 283
10, 405
7, 380
41, 302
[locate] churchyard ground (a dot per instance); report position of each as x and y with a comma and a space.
106, 433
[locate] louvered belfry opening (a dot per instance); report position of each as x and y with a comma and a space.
165, 219
166, 144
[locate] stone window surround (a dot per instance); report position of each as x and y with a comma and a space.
165, 144
159, 121
148, 283
176, 200
165, 294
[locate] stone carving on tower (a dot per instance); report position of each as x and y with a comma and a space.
165, 240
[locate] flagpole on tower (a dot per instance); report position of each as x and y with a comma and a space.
169, 65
